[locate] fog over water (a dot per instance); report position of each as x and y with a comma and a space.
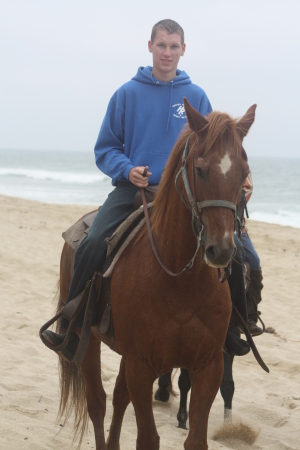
62, 61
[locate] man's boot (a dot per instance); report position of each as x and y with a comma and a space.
68, 344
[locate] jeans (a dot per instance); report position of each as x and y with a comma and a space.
251, 256
236, 280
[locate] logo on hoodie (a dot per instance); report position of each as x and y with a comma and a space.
179, 112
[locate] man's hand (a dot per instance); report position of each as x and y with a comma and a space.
139, 176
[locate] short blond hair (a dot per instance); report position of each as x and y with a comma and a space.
168, 25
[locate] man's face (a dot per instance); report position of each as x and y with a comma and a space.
166, 50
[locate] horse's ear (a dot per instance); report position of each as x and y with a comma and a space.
195, 120
246, 121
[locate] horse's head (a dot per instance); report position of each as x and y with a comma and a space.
217, 169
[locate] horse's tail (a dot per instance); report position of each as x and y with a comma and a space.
72, 392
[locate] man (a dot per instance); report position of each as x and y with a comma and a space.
142, 123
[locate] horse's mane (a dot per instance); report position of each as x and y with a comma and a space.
219, 126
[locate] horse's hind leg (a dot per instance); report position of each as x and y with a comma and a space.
163, 392
95, 394
120, 402
140, 378
227, 386
184, 384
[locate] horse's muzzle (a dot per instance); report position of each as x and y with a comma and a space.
219, 255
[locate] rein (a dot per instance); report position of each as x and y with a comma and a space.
195, 208
189, 265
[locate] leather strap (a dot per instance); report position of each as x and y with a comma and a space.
216, 204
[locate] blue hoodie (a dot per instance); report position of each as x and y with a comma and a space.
142, 123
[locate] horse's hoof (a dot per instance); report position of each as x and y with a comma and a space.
182, 417
227, 415
162, 395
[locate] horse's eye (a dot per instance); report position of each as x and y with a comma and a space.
200, 172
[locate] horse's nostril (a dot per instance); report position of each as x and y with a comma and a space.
212, 252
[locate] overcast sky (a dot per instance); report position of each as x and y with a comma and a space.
61, 61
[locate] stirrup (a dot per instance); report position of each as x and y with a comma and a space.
71, 311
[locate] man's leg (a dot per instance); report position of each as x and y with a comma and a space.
91, 253
235, 345
236, 280
254, 291
251, 255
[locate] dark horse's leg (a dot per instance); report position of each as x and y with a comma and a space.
227, 386
163, 392
184, 383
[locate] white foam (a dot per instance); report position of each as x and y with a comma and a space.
62, 177
280, 218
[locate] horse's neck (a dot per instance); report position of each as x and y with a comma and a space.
174, 234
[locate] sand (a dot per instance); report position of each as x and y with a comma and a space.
266, 407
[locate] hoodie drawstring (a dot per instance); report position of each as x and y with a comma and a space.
171, 98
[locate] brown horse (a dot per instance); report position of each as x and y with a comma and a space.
160, 321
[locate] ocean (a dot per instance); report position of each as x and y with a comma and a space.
67, 177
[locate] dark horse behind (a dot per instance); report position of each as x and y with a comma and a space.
163, 322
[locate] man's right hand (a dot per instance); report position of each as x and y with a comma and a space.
137, 177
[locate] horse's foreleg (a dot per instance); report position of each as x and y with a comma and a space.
184, 384
120, 402
227, 386
95, 394
205, 385
140, 378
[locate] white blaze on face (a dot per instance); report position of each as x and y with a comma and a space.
226, 235
225, 164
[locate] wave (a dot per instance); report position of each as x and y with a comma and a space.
282, 217
62, 177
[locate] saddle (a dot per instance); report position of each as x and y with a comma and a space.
97, 293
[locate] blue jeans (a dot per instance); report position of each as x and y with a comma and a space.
251, 256
236, 280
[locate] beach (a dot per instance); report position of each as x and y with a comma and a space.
266, 407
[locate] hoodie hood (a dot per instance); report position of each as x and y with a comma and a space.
144, 75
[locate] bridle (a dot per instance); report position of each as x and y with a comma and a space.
195, 208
